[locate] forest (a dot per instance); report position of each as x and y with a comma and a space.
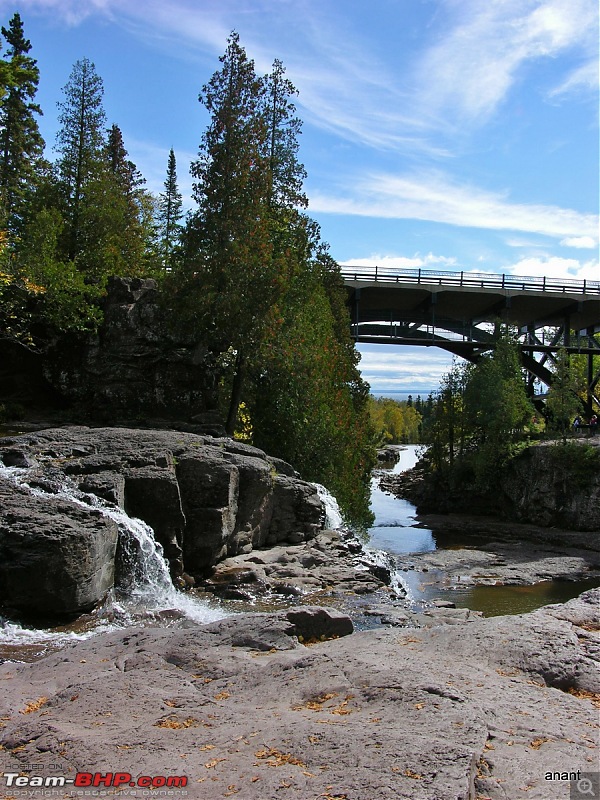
245, 270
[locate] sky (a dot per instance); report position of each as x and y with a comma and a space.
445, 134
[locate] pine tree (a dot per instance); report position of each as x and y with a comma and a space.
169, 213
124, 208
21, 144
231, 229
287, 174
80, 144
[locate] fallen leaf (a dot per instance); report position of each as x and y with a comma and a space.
35, 705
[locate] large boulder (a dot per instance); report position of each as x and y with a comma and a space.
205, 498
56, 558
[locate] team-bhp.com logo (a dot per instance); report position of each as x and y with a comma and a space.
87, 780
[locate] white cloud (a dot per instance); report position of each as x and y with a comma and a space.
434, 197
584, 77
583, 242
400, 368
556, 267
472, 69
400, 262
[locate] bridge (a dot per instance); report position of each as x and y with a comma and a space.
458, 312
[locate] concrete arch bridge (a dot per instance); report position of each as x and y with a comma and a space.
457, 311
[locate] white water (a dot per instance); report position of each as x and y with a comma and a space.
150, 592
371, 555
333, 515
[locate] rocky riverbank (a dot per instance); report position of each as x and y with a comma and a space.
551, 484
267, 706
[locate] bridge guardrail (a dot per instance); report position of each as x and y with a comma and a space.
481, 280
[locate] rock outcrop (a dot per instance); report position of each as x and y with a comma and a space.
205, 498
549, 484
492, 708
136, 366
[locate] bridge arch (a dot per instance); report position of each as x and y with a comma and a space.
455, 310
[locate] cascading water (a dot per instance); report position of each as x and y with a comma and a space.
148, 593
370, 555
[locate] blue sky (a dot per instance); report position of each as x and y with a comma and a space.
447, 134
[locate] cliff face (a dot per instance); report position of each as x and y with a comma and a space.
549, 484
137, 367
555, 485
205, 499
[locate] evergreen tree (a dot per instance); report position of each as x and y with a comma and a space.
21, 144
286, 173
169, 213
563, 401
126, 234
231, 244
81, 146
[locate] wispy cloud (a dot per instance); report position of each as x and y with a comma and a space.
585, 78
580, 242
473, 67
435, 197
72, 12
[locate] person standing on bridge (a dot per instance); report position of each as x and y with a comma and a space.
593, 425
576, 425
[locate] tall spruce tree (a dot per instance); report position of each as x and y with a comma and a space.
80, 144
123, 184
231, 229
21, 144
169, 213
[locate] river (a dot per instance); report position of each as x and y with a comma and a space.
397, 531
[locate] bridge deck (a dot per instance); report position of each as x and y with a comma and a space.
470, 298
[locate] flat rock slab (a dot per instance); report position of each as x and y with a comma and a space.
483, 709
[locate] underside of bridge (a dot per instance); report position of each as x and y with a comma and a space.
463, 318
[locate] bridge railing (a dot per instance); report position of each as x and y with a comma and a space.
480, 280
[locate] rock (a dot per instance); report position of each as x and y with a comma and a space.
296, 509
319, 623
317, 565
137, 366
205, 498
56, 558
451, 711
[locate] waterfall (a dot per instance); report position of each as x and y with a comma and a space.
150, 591
333, 515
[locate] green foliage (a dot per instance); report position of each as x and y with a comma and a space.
479, 415
310, 405
81, 146
169, 214
581, 462
394, 422
563, 401
21, 145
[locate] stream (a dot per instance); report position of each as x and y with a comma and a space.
397, 532
150, 598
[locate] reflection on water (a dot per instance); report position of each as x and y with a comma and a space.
494, 601
394, 530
